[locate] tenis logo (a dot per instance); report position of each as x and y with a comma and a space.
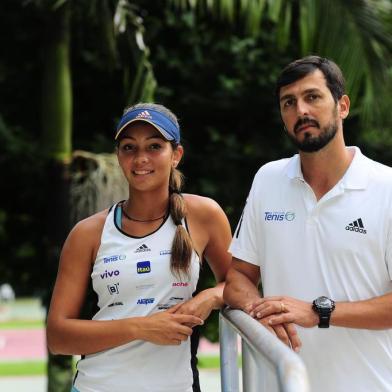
143, 267
145, 301
180, 284
114, 258
279, 216
109, 274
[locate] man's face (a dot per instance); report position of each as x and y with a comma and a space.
309, 112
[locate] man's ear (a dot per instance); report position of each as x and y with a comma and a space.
344, 106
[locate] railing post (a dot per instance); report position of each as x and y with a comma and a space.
250, 370
228, 357
264, 357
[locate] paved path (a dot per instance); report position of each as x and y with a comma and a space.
209, 382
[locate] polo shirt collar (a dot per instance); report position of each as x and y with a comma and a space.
356, 176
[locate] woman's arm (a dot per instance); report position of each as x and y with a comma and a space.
211, 235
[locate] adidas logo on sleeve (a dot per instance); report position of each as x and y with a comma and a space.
356, 226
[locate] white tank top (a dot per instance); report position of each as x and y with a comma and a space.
132, 278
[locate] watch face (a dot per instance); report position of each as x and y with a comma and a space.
324, 302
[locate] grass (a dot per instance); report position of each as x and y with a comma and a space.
23, 368
21, 324
38, 368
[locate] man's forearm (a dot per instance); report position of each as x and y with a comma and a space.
239, 290
374, 313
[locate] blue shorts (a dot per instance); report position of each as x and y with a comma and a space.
74, 389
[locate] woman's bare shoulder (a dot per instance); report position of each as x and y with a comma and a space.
91, 226
203, 206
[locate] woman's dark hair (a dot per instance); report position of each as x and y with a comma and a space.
182, 246
298, 69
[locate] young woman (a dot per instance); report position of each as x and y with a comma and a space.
143, 256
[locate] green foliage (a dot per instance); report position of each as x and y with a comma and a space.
22, 170
218, 78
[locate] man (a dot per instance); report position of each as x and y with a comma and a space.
317, 229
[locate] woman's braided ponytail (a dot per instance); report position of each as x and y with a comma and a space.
182, 244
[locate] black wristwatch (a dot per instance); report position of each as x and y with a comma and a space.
323, 306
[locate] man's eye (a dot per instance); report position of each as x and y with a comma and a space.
313, 97
288, 103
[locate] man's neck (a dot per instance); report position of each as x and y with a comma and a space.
323, 169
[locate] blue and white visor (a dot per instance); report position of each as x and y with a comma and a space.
169, 130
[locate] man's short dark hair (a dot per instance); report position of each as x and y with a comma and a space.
300, 68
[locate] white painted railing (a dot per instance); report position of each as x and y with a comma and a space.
263, 355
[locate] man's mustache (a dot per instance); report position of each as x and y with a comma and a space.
304, 121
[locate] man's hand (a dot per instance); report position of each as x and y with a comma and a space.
282, 310
286, 332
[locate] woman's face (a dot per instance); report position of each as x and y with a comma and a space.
146, 158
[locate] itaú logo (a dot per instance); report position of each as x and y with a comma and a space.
279, 216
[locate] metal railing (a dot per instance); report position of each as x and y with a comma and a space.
263, 356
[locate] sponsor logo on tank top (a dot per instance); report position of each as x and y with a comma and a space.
356, 226
112, 259
165, 252
143, 267
145, 301
113, 288
144, 286
109, 274
115, 304
172, 301
142, 248
180, 284
279, 216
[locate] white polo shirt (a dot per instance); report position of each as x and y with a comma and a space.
339, 246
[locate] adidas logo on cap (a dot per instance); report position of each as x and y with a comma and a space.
142, 248
144, 114
356, 226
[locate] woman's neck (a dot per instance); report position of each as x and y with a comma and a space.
145, 206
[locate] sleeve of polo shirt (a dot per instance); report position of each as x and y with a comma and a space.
244, 245
388, 253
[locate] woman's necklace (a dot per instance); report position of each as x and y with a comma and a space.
141, 220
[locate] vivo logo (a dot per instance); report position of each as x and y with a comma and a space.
109, 274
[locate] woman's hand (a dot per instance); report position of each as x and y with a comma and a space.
168, 327
200, 305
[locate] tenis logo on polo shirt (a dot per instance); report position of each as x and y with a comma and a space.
143, 267
279, 216
356, 226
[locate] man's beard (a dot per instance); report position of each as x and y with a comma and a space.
315, 143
